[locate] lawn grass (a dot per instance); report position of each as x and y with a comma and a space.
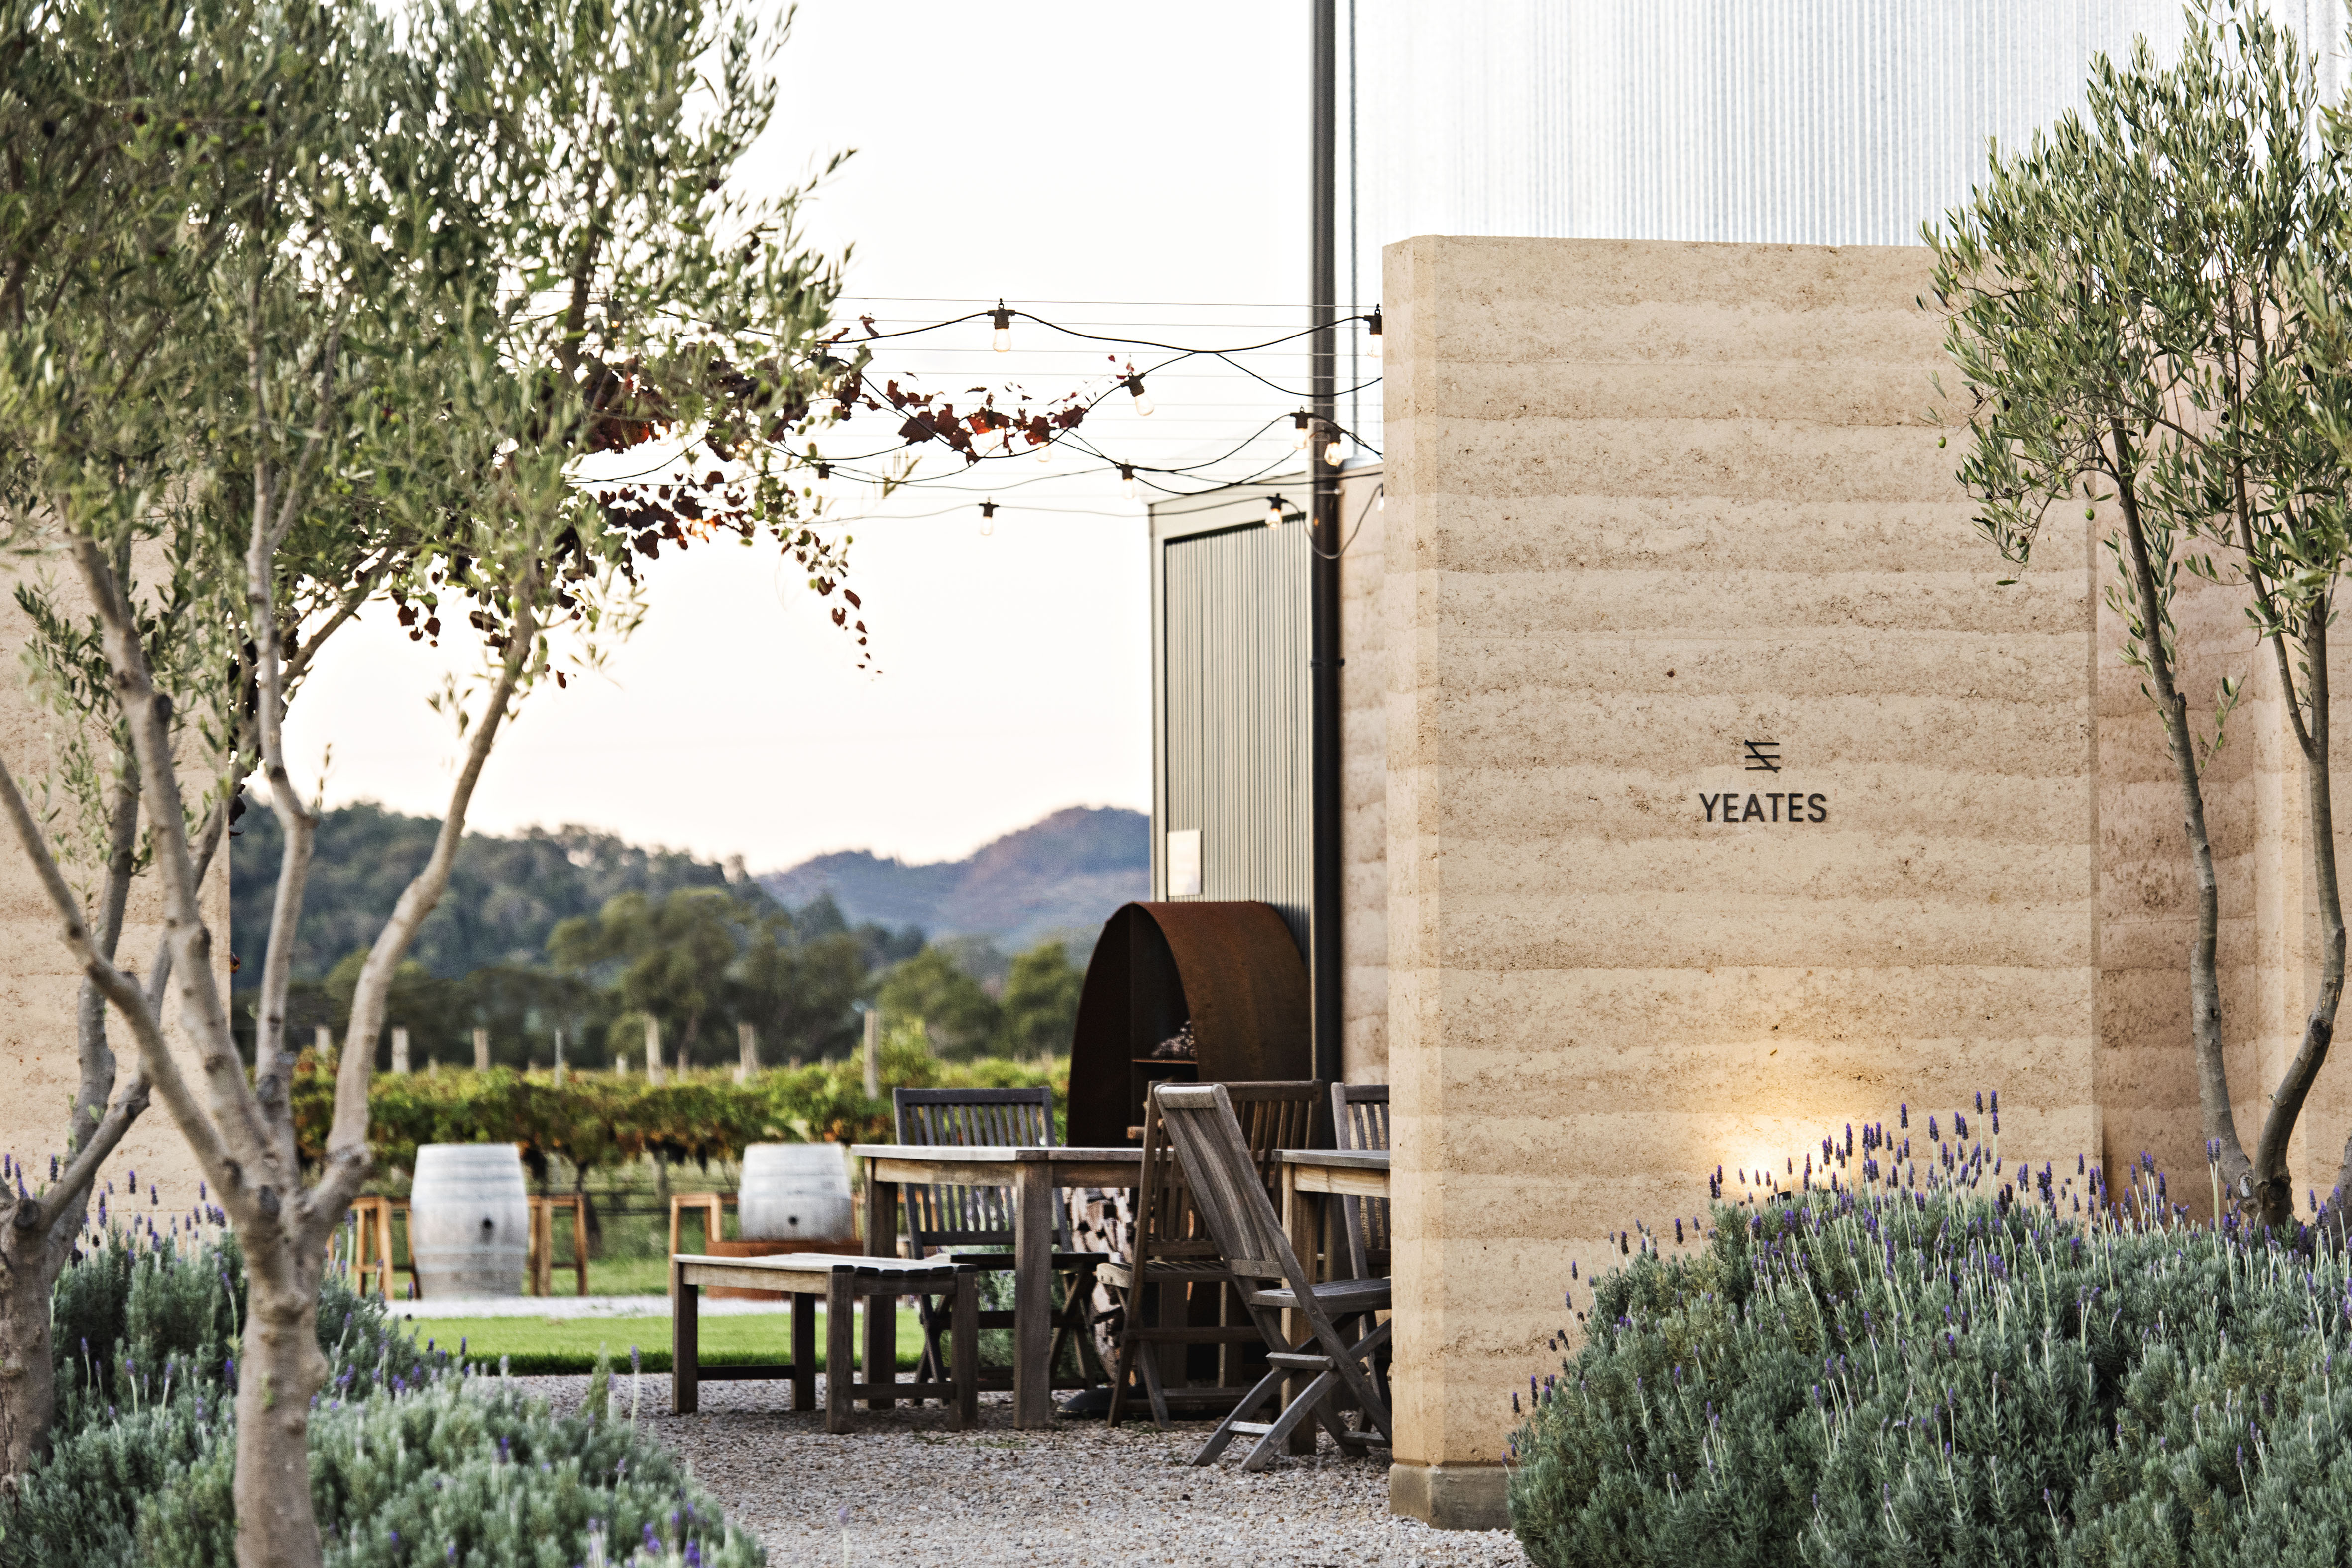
615, 1277
538, 1346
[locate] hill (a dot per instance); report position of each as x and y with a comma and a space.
1063, 874
505, 894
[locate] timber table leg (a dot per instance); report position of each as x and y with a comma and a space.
881, 1241
805, 1349
685, 1388
881, 1347
881, 1218
1299, 1211
1033, 1296
840, 1350
965, 1346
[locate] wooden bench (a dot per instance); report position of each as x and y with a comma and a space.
839, 1282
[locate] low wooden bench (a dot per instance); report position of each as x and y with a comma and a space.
839, 1282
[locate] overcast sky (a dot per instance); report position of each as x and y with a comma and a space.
1063, 153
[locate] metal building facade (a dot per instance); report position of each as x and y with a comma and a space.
1230, 629
1793, 122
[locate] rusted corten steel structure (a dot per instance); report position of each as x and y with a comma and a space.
1231, 968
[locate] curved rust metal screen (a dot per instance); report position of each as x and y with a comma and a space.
1231, 968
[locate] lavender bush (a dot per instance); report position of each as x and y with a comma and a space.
1917, 1353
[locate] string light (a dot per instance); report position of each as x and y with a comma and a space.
1309, 433
1274, 512
1372, 332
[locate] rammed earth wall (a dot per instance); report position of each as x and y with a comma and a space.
39, 982
1667, 527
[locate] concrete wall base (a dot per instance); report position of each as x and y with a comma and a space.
1452, 1497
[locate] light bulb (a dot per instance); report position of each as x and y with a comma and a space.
1381, 500
1044, 450
1274, 512
1333, 453
1126, 480
1372, 345
1135, 389
1003, 319
1300, 428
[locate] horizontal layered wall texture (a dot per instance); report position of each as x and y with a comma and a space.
1729, 801
1364, 786
40, 982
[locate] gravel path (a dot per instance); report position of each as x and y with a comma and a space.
919, 1496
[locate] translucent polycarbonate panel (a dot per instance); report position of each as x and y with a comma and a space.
1794, 122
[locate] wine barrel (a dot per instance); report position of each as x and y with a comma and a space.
469, 1220
796, 1191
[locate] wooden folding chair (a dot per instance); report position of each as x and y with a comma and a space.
1359, 1120
1232, 1201
939, 1216
1171, 1252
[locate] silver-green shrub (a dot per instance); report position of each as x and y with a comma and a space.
411, 1460
1943, 1358
467, 1469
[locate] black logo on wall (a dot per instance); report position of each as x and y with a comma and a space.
1732, 807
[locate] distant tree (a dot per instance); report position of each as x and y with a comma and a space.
979, 957
798, 993
417, 1000
669, 959
506, 893
932, 988
1040, 1002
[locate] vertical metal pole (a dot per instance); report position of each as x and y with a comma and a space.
1324, 961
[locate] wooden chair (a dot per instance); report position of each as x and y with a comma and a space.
939, 1216
371, 1243
1359, 1120
1171, 1253
541, 1259
1231, 1198
708, 1204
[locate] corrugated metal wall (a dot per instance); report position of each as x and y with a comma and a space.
1793, 122
1234, 744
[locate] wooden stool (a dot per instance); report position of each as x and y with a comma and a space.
706, 1203
840, 1282
543, 1241
371, 1248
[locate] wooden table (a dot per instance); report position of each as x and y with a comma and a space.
1035, 1175
1333, 1172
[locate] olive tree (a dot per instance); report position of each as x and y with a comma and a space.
454, 263
124, 120
2122, 308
